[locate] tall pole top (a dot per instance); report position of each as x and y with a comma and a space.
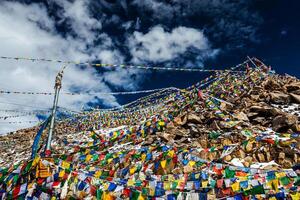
58, 80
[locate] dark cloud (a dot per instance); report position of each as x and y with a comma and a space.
228, 24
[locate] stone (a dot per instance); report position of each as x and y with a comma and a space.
292, 87
261, 157
192, 118
287, 164
242, 153
295, 97
281, 123
180, 120
281, 155
214, 125
228, 158
249, 147
242, 116
279, 97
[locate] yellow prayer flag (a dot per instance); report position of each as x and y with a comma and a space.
163, 164
235, 186
273, 184
130, 182
88, 157
98, 174
107, 196
295, 196
280, 174
243, 178
192, 163
143, 157
204, 184
161, 123
65, 165
132, 170
141, 197
109, 160
35, 161
151, 191
61, 173
171, 177
166, 185
171, 153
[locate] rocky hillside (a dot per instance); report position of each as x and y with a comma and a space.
242, 129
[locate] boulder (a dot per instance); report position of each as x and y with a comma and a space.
292, 87
284, 122
295, 98
242, 116
192, 118
279, 97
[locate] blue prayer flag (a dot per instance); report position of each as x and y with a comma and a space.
38, 137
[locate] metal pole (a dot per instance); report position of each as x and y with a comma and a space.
56, 95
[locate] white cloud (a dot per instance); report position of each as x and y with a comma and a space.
159, 45
28, 31
22, 35
82, 24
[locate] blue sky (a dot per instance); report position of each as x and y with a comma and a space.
174, 33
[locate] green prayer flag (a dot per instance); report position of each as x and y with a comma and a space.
145, 191
138, 183
258, 190
135, 195
214, 135
284, 180
95, 157
99, 193
247, 192
212, 183
296, 183
27, 168
174, 185
15, 178
229, 173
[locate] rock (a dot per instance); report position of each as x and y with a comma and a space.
203, 143
228, 158
180, 120
242, 153
292, 87
249, 147
249, 159
283, 122
281, 156
261, 157
271, 84
226, 142
279, 98
268, 156
242, 116
252, 114
295, 97
193, 131
214, 125
260, 120
287, 164
212, 155
192, 118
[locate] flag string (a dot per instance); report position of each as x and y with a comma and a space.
195, 69
86, 93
